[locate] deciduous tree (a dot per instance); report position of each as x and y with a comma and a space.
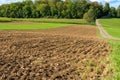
106, 9
118, 12
90, 15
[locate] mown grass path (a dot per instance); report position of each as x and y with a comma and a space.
103, 32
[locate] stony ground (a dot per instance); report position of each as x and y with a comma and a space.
69, 53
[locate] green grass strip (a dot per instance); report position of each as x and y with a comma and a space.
115, 59
4, 26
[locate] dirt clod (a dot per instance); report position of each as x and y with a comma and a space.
69, 53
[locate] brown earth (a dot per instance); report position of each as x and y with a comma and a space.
69, 53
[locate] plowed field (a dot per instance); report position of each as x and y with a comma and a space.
69, 53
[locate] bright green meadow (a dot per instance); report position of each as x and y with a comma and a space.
115, 59
41, 23
4, 26
112, 26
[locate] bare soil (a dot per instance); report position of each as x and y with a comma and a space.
69, 53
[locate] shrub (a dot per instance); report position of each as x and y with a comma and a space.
90, 16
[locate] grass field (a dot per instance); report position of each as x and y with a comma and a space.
46, 20
5, 19
29, 26
43, 20
115, 59
112, 26
41, 23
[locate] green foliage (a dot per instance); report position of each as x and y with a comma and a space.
113, 12
44, 10
118, 12
27, 11
106, 9
72, 9
47, 9
90, 16
98, 9
59, 6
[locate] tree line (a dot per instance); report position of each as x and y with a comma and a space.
71, 9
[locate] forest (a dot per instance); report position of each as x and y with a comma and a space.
71, 9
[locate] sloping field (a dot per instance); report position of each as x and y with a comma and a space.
29, 25
112, 26
69, 53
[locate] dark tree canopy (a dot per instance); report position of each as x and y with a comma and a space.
90, 15
118, 12
57, 9
113, 12
106, 9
